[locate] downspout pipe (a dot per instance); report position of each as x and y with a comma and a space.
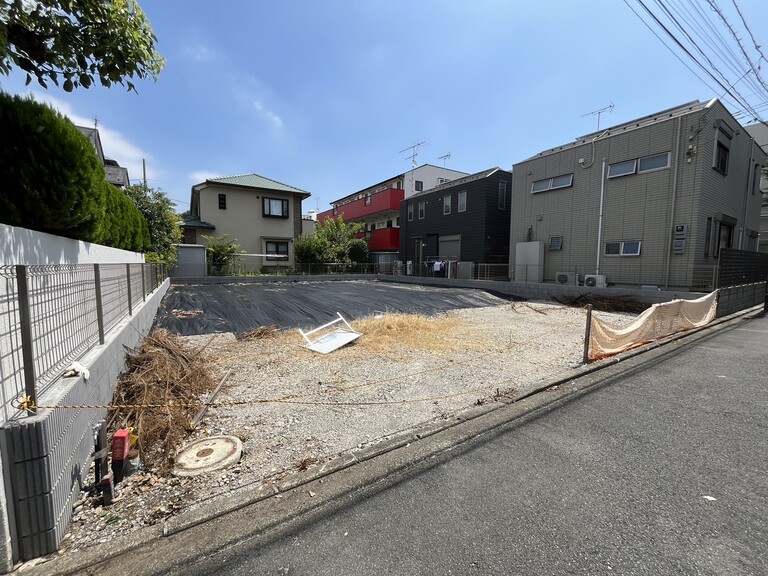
674, 197
600, 217
750, 185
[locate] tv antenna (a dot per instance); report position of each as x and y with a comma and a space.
597, 113
444, 158
414, 152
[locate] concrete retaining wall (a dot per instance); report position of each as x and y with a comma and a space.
46, 456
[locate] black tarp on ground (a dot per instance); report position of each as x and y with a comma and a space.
241, 307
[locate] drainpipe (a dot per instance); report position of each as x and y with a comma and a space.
600, 218
672, 210
750, 184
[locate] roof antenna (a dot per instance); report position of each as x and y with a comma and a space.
414, 152
597, 113
444, 158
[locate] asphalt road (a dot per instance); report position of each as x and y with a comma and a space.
207, 308
661, 471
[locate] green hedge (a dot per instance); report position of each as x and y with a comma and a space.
51, 180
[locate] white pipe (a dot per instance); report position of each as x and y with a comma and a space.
750, 186
674, 196
600, 218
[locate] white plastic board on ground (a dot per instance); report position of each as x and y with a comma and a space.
333, 341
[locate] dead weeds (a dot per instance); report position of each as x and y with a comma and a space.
163, 372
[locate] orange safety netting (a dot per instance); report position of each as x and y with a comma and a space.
656, 322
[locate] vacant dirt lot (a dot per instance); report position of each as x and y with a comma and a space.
302, 408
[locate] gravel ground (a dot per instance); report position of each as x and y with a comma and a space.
342, 401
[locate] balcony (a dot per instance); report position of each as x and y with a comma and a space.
382, 239
384, 201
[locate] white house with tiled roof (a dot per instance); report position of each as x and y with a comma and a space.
262, 215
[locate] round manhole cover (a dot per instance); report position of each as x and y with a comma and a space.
208, 454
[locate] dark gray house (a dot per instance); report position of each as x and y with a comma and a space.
464, 220
645, 203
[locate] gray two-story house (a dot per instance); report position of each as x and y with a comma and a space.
646, 203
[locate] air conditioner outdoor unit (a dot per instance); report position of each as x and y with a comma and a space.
567, 278
595, 280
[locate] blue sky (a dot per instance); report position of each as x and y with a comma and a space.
324, 94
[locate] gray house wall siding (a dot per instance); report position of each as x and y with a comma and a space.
640, 206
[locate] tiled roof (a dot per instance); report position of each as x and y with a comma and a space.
197, 223
256, 181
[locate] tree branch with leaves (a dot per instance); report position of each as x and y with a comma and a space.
75, 42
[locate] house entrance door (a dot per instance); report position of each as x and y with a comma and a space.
417, 256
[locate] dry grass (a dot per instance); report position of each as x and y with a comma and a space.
260, 333
162, 372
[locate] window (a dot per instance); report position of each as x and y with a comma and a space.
278, 251
502, 195
222, 201
555, 243
422, 210
462, 201
275, 207
367, 199
447, 204
442, 180
410, 212
723, 135
626, 248
419, 185
622, 168
651, 163
563, 181
719, 234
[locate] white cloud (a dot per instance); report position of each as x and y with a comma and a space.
201, 176
276, 121
200, 53
116, 146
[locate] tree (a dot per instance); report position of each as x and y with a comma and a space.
78, 41
221, 252
333, 241
164, 230
50, 176
123, 225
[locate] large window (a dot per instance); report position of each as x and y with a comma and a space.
447, 204
419, 185
277, 251
462, 201
222, 201
275, 207
624, 248
422, 210
502, 195
563, 181
410, 212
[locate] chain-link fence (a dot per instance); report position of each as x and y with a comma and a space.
52, 315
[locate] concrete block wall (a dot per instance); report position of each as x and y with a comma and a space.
47, 456
735, 298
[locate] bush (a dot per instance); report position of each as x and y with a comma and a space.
123, 226
50, 176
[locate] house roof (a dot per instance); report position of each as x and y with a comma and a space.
664, 115
460, 181
256, 181
197, 223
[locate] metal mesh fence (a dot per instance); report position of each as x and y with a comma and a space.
52, 315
